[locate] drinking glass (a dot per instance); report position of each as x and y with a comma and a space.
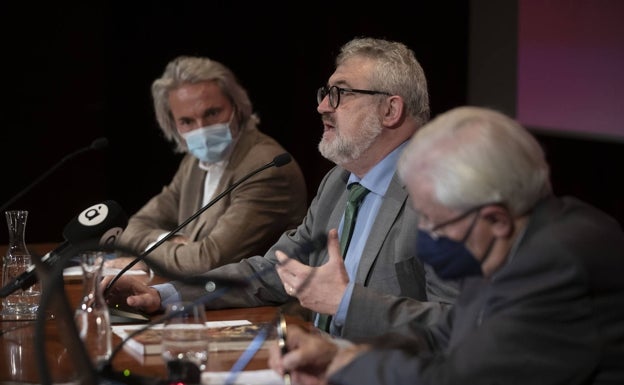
185, 342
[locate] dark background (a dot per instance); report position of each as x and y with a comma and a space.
74, 73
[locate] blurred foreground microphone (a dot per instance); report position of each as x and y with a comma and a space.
103, 221
278, 161
95, 145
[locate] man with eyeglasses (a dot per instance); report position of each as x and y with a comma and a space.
375, 100
542, 294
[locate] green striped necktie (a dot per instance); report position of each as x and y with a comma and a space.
357, 192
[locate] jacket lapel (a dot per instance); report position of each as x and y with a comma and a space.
393, 202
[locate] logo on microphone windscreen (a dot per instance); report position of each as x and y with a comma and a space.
109, 237
103, 221
94, 215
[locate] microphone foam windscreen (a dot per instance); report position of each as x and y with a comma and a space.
282, 159
99, 143
104, 221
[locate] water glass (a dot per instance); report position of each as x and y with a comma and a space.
185, 342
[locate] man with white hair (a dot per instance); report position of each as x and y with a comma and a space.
541, 299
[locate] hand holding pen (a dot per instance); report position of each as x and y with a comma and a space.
305, 356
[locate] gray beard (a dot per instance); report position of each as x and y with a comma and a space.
343, 150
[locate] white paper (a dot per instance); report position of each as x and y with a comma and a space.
247, 377
139, 350
76, 271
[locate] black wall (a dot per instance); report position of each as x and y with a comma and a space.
72, 74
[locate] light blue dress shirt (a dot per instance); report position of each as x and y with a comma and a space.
376, 181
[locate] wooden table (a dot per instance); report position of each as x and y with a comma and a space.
17, 347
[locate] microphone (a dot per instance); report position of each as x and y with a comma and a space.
97, 144
278, 161
103, 221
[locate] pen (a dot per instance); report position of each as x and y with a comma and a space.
281, 341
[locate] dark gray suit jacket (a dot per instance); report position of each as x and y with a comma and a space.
554, 314
391, 287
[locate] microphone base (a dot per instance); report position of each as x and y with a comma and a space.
126, 315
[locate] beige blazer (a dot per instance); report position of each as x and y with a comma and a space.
245, 222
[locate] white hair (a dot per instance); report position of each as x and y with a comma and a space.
473, 156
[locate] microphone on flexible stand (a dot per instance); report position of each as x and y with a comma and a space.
278, 161
97, 144
104, 221
215, 286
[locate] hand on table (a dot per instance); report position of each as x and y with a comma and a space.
134, 292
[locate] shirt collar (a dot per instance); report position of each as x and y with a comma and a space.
378, 178
213, 166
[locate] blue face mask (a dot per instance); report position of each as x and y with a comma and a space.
449, 259
209, 144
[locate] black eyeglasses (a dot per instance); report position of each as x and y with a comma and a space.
433, 229
335, 91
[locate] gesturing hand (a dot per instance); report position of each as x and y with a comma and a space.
319, 289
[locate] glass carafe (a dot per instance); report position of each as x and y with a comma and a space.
21, 304
92, 316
